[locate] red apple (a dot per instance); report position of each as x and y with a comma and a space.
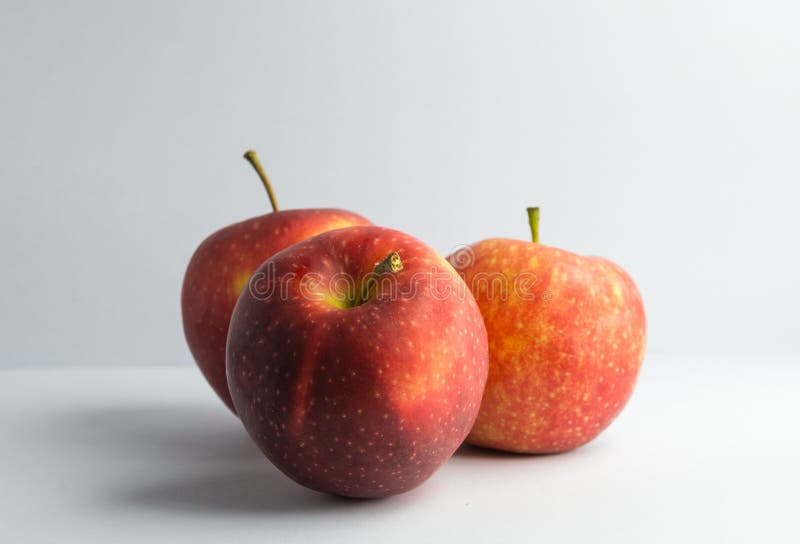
566, 341
222, 264
357, 378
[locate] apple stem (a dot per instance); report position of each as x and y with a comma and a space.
391, 264
252, 158
533, 220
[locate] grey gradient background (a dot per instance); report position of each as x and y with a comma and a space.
662, 135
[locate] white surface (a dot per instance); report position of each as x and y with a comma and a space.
662, 135
706, 452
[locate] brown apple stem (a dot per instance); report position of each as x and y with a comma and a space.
391, 264
533, 220
252, 158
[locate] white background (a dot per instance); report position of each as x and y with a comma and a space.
662, 135
148, 455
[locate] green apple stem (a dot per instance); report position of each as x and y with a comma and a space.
252, 158
533, 220
391, 264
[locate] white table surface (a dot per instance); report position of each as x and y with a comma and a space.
708, 450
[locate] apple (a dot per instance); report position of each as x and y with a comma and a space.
566, 342
222, 264
356, 378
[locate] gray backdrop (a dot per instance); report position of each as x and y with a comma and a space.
663, 135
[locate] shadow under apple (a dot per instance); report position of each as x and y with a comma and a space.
186, 458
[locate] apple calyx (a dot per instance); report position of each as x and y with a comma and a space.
533, 221
252, 158
389, 265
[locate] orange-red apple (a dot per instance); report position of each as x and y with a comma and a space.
566, 341
222, 264
357, 360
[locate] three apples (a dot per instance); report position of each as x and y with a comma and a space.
358, 359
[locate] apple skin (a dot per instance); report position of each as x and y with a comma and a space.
364, 401
565, 347
220, 268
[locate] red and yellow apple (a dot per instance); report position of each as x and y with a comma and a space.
566, 341
356, 361
222, 264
